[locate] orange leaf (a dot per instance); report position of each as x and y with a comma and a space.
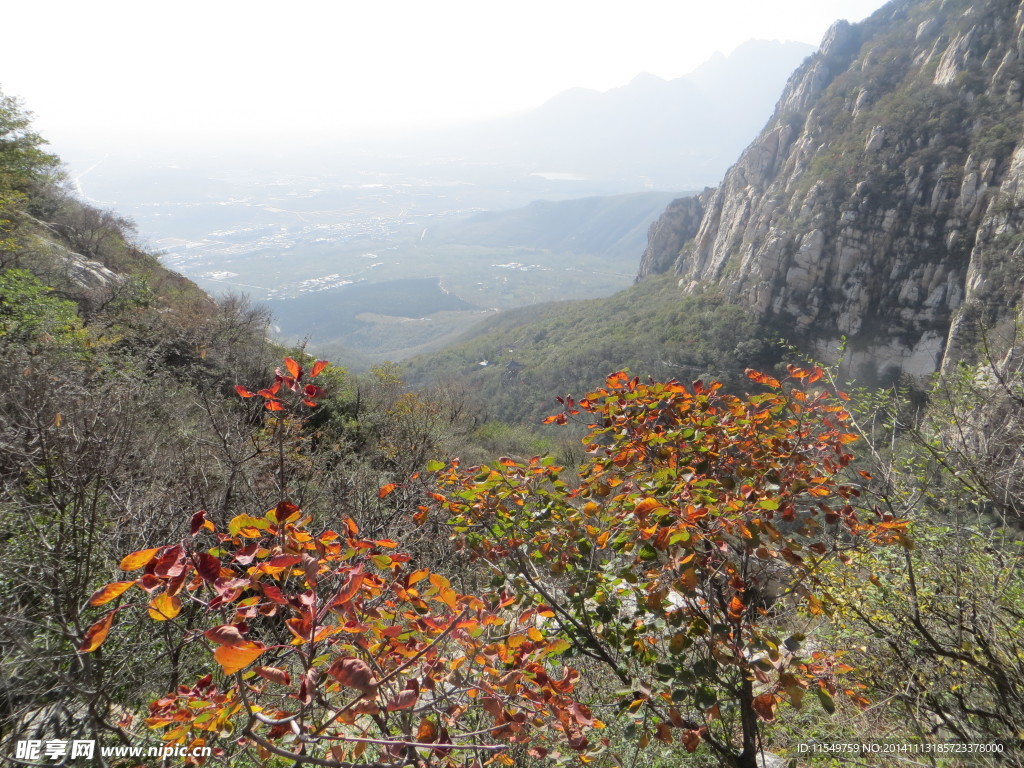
736, 608
347, 592
386, 489
164, 607
448, 596
762, 378
109, 592
427, 732
617, 379
318, 368
139, 559
814, 605
417, 576
273, 405
293, 368
96, 634
232, 658
647, 505
242, 391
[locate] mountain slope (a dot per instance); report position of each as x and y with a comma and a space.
613, 227
882, 202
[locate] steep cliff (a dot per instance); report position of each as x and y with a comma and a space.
883, 200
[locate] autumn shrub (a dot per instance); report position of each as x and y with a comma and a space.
688, 556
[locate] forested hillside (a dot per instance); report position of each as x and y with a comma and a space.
120, 420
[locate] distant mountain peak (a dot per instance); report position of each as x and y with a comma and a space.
645, 80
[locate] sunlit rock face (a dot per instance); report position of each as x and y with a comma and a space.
883, 201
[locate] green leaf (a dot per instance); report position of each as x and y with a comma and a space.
826, 701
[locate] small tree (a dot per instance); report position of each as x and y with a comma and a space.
22, 159
943, 621
699, 518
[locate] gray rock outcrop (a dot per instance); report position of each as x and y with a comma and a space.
884, 201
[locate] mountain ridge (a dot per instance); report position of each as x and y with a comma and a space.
677, 134
881, 204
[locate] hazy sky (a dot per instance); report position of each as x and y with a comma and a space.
243, 67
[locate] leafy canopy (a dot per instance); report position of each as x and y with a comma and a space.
698, 516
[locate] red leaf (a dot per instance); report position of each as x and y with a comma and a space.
664, 733
273, 405
293, 368
318, 367
311, 569
286, 511
199, 522
274, 594
274, 675
225, 634
354, 673
403, 700
243, 391
208, 566
171, 563
764, 706
691, 740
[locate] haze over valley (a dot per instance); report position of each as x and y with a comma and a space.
551, 204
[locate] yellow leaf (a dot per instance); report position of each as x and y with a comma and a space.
164, 607
439, 581
243, 521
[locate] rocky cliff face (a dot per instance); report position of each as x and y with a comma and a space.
884, 201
